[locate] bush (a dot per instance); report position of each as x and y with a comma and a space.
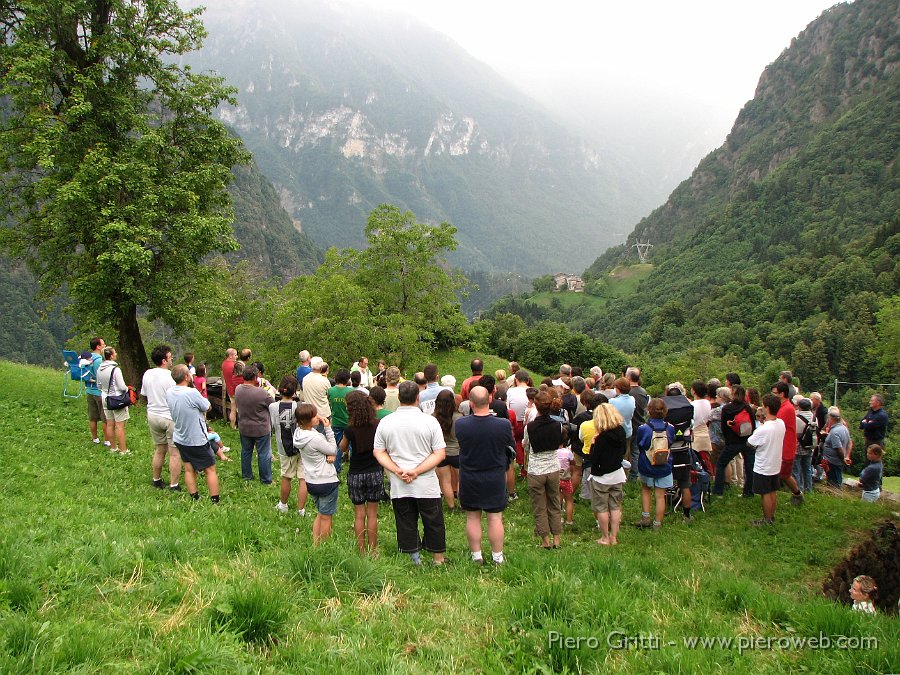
546, 345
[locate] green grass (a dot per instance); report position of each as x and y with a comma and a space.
891, 484
99, 572
624, 279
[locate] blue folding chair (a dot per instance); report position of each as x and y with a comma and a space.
74, 373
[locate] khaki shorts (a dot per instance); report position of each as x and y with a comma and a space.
606, 497
161, 430
291, 467
96, 413
120, 415
579, 460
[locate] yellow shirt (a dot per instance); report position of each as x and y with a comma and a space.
586, 433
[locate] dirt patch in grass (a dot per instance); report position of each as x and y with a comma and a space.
878, 557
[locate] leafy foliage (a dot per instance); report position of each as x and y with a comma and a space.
112, 164
395, 298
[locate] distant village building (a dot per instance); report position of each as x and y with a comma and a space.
571, 282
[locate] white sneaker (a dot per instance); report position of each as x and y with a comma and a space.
282, 508
225, 448
300, 512
107, 444
96, 441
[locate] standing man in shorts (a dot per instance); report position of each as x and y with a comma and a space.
768, 439
157, 381
788, 415
284, 424
188, 409
486, 448
95, 396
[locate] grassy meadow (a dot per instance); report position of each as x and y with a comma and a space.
101, 573
621, 282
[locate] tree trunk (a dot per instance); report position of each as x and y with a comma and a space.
130, 350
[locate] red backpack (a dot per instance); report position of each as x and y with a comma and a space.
742, 424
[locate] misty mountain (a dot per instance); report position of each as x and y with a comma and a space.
345, 108
841, 59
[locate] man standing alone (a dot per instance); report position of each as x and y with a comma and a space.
157, 381
874, 424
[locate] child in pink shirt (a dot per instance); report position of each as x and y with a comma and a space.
566, 456
200, 380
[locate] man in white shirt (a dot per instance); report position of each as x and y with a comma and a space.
410, 444
768, 440
157, 381
432, 389
366, 378
316, 386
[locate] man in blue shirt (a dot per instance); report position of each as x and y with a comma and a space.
874, 424
304, 368
94, 398
188, 410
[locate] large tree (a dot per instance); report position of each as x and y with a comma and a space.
113, 170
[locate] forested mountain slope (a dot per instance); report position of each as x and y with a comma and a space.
785, 242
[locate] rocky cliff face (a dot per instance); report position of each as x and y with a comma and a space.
345, 110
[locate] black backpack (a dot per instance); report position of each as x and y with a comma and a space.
286, 426
807, 437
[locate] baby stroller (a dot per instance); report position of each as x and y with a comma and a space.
680, 414
700, 483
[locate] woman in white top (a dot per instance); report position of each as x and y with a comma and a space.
110, 381
702, 412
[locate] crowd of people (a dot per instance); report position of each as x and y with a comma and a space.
580, 433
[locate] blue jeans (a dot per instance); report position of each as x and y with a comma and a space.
338, 435
635, 452
263, 445
835, 474
728, 454
802, 472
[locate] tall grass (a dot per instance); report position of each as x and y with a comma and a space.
99, 572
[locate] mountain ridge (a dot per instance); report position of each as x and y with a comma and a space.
348, 110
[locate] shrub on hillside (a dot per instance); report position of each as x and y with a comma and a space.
546, 345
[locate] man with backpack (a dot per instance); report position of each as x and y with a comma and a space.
738, 423
788, 415
95, 396
806, 442
641, 399
284, 423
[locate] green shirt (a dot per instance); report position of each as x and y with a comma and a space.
337, 400
381, 414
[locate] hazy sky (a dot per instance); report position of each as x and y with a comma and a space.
697, 59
